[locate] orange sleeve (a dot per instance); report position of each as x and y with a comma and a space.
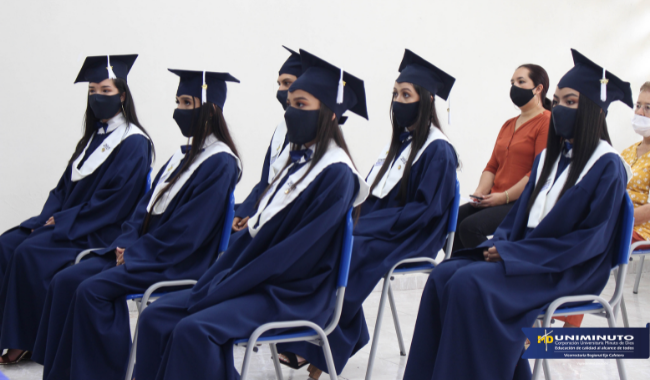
493, 164
541, 138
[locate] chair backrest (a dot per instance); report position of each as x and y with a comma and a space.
346, 252
227, 224
453, 217
627, 226
344, 271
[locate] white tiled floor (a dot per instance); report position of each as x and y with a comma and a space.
389, 365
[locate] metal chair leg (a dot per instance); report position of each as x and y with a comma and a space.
545, 365
247, 359
398, 328
327, 352
626, 322
547, 369
134, 347
375, 337
276, 361
537, 367
622, 374
638, 275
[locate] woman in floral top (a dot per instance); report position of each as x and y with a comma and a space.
638, 156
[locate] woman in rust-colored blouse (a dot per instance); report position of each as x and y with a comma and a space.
520, 140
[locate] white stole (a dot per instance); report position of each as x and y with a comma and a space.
276, 146
211, 147
120, 131
548, 196
394, 174
279, 161
285, 195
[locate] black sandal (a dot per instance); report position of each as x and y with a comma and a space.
293, 360
25, 355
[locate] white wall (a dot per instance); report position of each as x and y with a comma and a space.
42, 44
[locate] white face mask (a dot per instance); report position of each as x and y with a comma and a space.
641, 125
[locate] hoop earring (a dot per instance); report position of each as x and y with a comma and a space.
123, 111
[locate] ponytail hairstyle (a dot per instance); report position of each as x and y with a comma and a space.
427, 116
590, 128
328, 130
539, 76
211, 122
128, 111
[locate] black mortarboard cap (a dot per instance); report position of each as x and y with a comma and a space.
599, 85
205, 85
322, 80
98, 68
414, 69
292, 65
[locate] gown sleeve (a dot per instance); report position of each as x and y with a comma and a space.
435, 191
115, 196
52, 205
191, 222
581, 233
248, 206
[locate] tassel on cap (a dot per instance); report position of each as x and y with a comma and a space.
449, 109
111, 74
339, 93
603, 87
204, 90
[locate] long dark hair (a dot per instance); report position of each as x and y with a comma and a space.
539, 76
590, 128
427, 115
211, 122
128, 110
328, 130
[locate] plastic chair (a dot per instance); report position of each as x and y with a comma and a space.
599, 307
387, 290
311, 332
639, 252
143, 300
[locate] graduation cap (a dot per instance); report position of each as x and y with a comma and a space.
292, 65
414, 69
599, 85
98, 68
337, 89
205, 85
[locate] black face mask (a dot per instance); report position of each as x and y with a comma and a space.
521, 96
105, 106
405, 114
186, 122
301, 125
564, 121
282, 98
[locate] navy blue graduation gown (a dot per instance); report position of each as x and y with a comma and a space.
248, 206
68, 198
387, 233
86, 312
472, 312
287, 272
87, 213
